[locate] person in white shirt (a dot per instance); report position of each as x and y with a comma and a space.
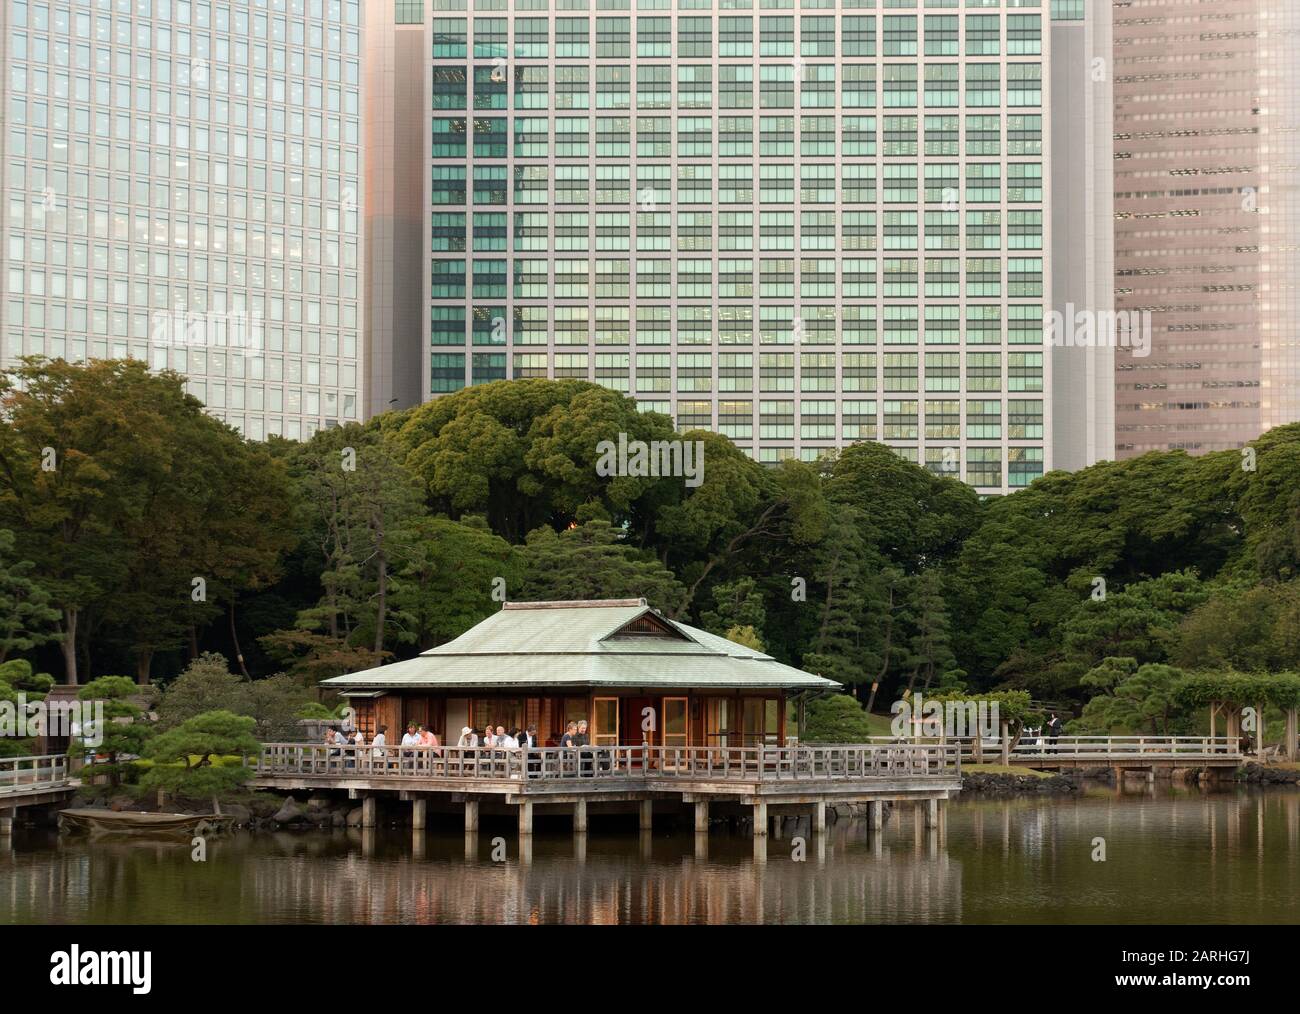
380, 741
411, 738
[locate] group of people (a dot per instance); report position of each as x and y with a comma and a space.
575, 737
499, 738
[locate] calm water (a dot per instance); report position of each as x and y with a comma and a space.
1180, 857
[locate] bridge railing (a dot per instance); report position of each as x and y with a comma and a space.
761, 763
1105, 747
31, 774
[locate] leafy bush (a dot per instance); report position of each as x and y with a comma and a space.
838, 718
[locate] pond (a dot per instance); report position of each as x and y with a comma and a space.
1170, 856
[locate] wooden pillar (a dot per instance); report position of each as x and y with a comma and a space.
876, 814
931, 813
702, 815
1291, 733
1006, 745
471, 815
368, 811
419, 811
525, 818
819, 817
580, 815
1259, 731
6, 824
647, 814
760, 820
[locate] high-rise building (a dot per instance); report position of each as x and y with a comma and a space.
183, 186
396, 70
1083, 231
799, 225
1207, 219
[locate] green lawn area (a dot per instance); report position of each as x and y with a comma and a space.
880, 724
1003, 769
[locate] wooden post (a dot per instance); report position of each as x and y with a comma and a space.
876, 814
647, 814
702, 816
368, 811
931, 813
419, 811
1006, 745
471, 815
819, 816
6, 825
1259, 732
525, 818
760, 820
1291, 733
580, 816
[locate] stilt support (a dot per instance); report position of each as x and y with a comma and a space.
760, 820
471, 815
702, 816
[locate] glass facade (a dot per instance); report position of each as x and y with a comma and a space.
750, 214
183, 187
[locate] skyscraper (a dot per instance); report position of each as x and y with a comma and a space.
1207, 219
183, 186
1083, 231
797, 227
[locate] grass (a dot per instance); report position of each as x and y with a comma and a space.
1003, 769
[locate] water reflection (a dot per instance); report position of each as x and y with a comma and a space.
1176, 857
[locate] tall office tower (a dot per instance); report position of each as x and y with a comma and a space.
797, 227
1083, 231
1206, 115
396, 66
1279, 210
183, 186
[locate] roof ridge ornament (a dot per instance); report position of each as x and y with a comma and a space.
579, 604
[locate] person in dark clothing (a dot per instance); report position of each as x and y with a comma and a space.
585, 755
569, 764
1053, 730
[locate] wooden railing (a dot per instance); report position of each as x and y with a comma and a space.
763, 763
32, 774
1102, 748
1112, 747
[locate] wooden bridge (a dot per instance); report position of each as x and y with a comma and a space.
798, 777
1121, 753
32, 781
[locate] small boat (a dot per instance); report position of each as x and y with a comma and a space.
105, 822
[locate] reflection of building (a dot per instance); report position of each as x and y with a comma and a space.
1207, 203
633, 674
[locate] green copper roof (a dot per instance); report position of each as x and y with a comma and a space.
585, 644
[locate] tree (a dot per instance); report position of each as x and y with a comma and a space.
930, 654
116, 738
188, 759
591, 561
836, 718
446, 575
1133, 697
206, 684
27, 619
358, 496
736, 604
